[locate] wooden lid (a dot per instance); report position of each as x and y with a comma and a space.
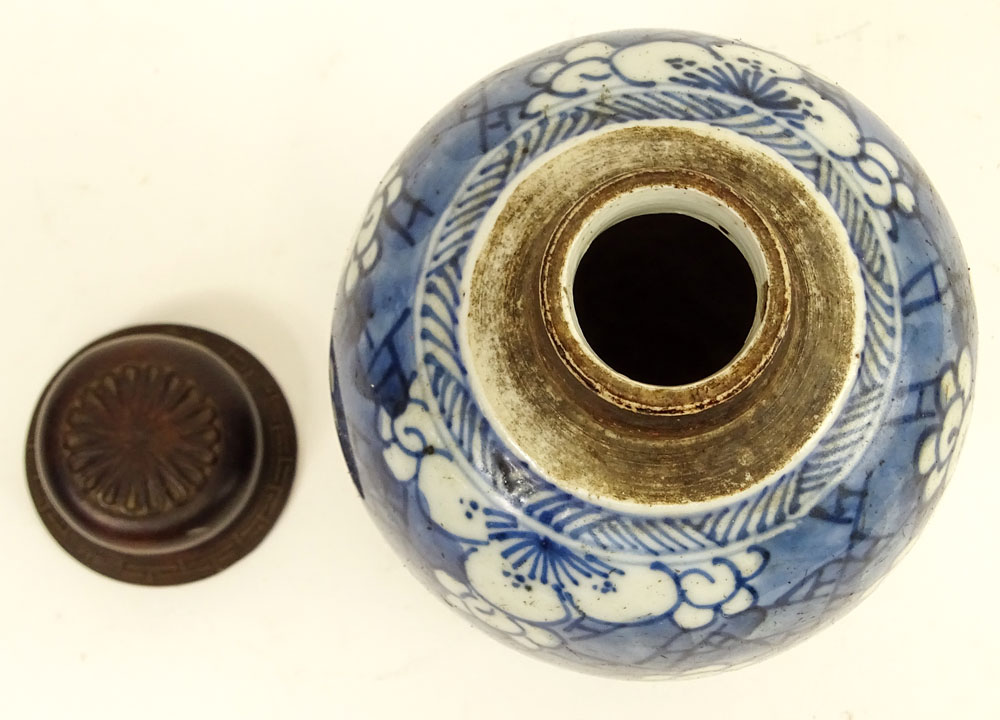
161, 454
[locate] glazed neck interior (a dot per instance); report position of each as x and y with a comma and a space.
645, 439
765, 304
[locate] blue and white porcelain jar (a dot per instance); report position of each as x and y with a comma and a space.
653, 353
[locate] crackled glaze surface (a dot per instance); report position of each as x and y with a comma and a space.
660, 590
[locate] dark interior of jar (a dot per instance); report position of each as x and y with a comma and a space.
664, 299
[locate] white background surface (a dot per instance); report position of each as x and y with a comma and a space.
207, 163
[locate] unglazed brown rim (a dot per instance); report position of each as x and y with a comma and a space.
599, 435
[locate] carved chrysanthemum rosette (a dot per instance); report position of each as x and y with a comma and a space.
141, 440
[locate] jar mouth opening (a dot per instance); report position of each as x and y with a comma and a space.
676, 314
663, 294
